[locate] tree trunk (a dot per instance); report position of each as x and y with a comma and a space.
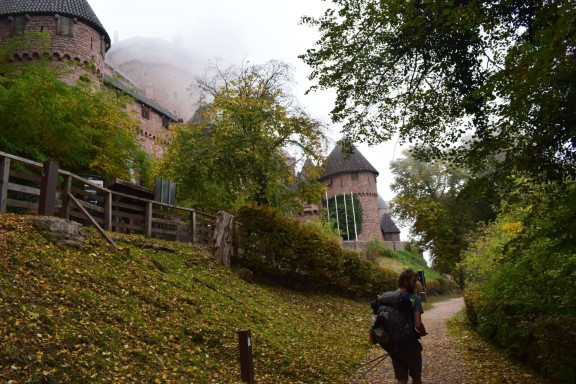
223, 238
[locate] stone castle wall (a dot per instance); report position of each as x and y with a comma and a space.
83, 46
153, 136
366, 191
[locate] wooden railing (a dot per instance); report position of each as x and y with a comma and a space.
28, 187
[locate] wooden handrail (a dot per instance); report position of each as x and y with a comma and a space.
22, 160
103, 189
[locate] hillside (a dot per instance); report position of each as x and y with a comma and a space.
92, 314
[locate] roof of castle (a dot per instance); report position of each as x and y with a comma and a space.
387, 224
341, 160
135, 93
74, 8
382, 204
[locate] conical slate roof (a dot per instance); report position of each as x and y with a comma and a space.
382, 204
73, 8
343, 162
387, 224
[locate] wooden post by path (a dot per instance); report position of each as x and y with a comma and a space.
49, 186
4, 174
246, 361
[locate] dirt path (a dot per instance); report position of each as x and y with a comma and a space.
442, 362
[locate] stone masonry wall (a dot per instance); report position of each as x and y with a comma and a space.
83, 46
153, 136
366, 191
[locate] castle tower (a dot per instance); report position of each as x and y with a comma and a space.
75, 31
352, 173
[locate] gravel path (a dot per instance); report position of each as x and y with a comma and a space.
442, 362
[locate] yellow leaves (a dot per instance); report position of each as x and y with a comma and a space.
512, 229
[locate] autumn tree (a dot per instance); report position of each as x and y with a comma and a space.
81, 126
237, 147
440, 203
489, 84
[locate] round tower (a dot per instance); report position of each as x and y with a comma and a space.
75, 32
348, 173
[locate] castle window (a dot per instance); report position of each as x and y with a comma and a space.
145, 112
354, 176
165, 122
65, 26
375, 179
19, 24
103, 46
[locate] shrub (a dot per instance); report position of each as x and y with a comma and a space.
517, 275
289, 252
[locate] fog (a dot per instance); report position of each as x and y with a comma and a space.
239, 31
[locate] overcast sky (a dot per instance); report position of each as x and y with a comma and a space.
236, 31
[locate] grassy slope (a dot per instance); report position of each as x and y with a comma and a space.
405, 259
94, 315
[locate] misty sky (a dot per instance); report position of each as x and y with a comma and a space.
235, 31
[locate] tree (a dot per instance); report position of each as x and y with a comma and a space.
437, 200
81, 126
489, 84
236, 147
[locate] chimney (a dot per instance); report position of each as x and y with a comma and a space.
116, 37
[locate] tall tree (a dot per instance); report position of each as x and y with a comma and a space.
236, 147
488, 83
437, 200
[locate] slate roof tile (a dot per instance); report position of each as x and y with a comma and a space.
341, 162
74, 8
387, 224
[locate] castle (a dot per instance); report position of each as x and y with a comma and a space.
348, 172
76, 35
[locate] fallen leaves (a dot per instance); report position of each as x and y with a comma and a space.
72, 315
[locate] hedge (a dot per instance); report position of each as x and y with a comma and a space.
289, 252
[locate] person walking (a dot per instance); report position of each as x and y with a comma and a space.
406, 351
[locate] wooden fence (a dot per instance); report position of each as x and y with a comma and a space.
28, 187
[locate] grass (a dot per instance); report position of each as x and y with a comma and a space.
91, 314
487, 363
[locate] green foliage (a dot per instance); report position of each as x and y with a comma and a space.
483, 83
81, 127
287, 251
346, 207
90, 314
518, 271
440, 203
235, 149
436, 283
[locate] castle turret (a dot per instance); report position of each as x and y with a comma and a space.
75, 31
347, 173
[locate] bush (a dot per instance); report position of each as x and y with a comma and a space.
292, 253
518, 273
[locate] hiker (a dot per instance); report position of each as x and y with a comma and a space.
407, 354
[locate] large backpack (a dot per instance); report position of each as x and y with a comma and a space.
393, 321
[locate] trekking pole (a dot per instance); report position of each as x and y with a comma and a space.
375, 362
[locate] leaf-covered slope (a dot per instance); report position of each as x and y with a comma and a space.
146, 316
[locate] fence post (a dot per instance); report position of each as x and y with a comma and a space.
66, 189
49, 186
148, 220
108, 211
246, 362
4, 175
193, 225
